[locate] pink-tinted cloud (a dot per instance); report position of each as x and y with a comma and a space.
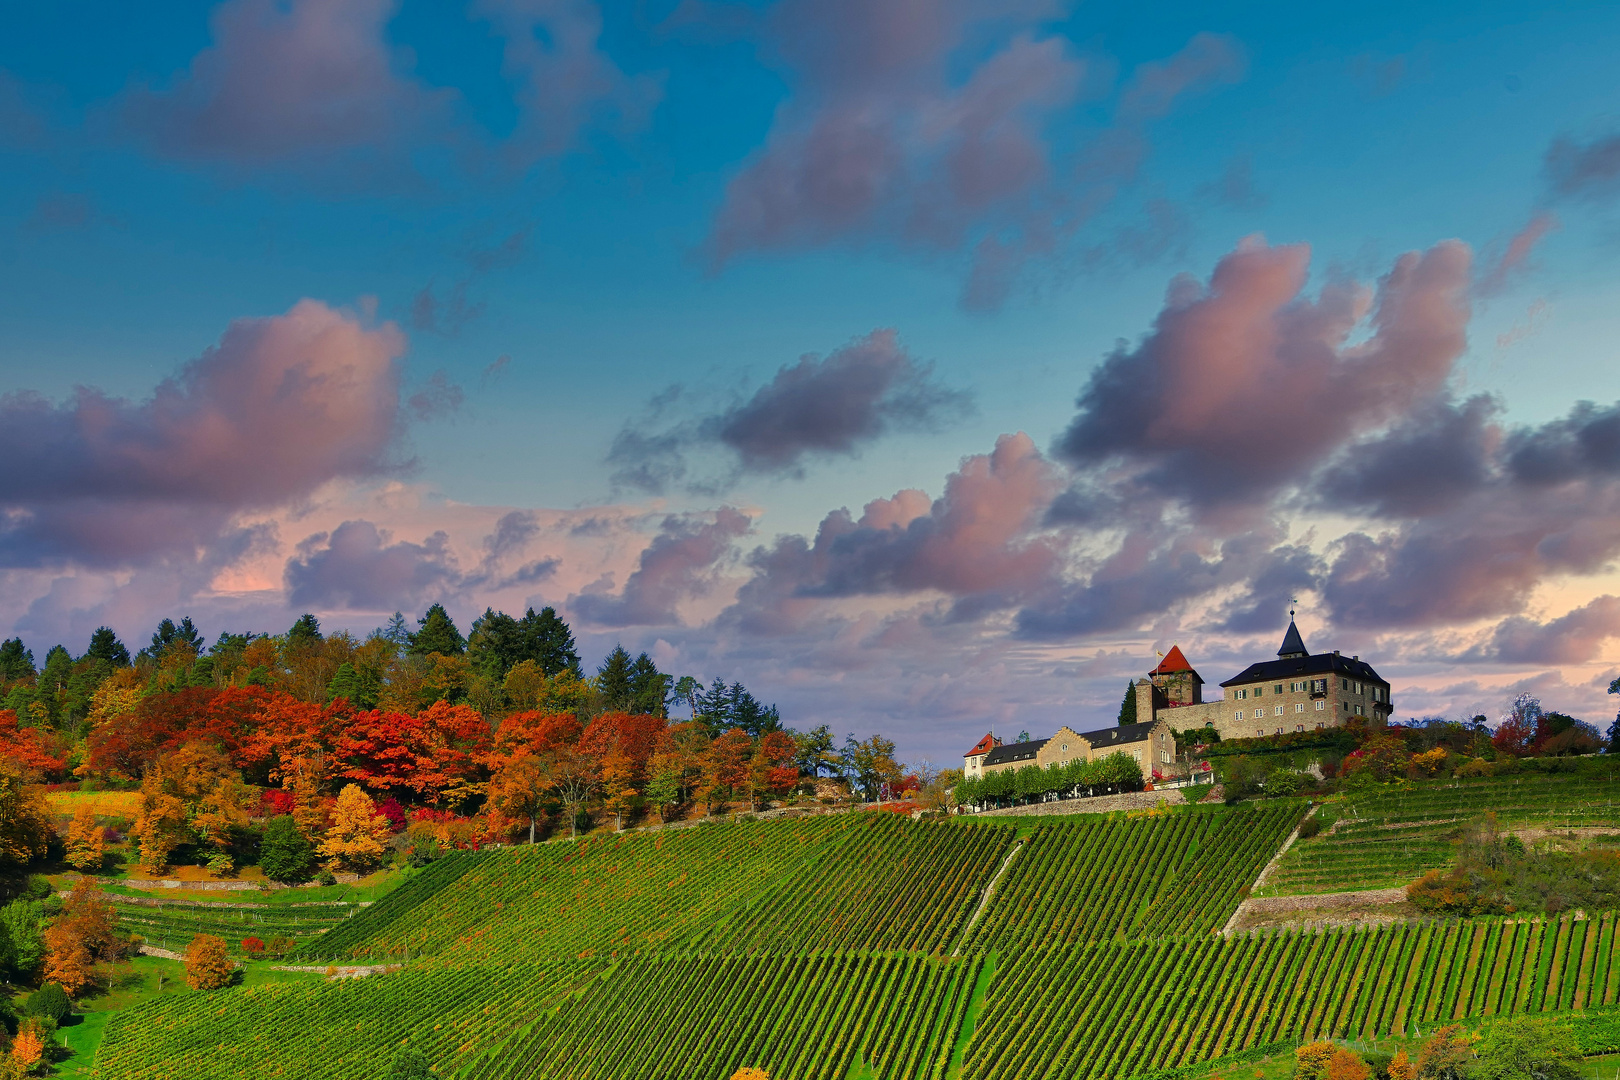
894, 136
359, 567
1573, 638
679, 564
282, 83
1515, 260
1188, 405
979, 543
279, 407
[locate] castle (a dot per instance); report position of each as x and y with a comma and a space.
1299, 691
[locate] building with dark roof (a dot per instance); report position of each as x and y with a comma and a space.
1298, 691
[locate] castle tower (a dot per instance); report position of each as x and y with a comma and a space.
1177, 680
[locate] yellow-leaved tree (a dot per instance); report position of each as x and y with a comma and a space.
85, 846
358, 836
208, 966
748, 1072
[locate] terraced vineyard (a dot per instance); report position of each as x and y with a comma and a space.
170, 925
794, 1016
1386, 838
338, 1030
871, 881
839, 946
1119, 1009
1077, 883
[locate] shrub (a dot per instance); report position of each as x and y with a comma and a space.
49, 1001
1446, 1055
325, 877
207, 965
1310, 827
279, 946
1284, 783
1520, 1046
253, 946
1474, 767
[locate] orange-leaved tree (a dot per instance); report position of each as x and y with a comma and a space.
359, 835
1311, 1060
433, 754
1347, 1065
725, 767
25, 820
84, 934
1401, 1067
519, 788
85, 844
748, 1072
208, 965
28, 1048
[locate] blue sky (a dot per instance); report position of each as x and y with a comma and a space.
566, 174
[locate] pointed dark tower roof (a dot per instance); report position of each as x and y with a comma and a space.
1293, 645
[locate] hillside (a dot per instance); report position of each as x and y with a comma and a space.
867, 945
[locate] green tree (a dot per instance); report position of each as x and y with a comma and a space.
1127, 707
869, 766
49, 1001
818, 752
285, 854
16, 660
437, 634
494, 644
410, 1064
104, 645
613, 679
397, 632
1522, 1048
22, 922
549, 642
1613, 734
305, 632
169, 634
359, 685
649, 688
687, 689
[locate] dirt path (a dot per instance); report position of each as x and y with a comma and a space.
989, 893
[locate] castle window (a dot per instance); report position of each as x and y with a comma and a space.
1319, 727
1277, 688
1277, 710
1065, 748
1258, 713
1299, 707
1279, 731
1259, 691
1239, 715
1320, 705
1260, 733
1299, 727
1211, 723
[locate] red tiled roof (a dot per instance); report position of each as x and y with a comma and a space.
1173, 661
984, 745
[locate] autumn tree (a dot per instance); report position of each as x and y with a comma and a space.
725, 767
520, 788
208, 965
574, 778
358, 837
1401, 1067
1311, 1060
28, 1048
85, 845
84, 934
433, 754
529, 688
748, 1072
25, 821
1347, 1065
1446, 1054
193, 795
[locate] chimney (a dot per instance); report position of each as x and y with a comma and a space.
1356, 657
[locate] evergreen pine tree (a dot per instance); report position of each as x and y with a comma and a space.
16, 660
1127, 708
104, 645
306, 631
649, 688
494, 644
613, 679
548, 641
358, 685
437, 634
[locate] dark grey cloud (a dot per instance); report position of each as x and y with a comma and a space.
1584, 170
357, 566
679, 564
819, 407
1425, 463
438, 398
1584, 444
